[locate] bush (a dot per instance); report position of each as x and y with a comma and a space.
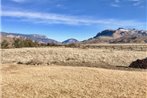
51, 44
73, 45
18, 43
4, 44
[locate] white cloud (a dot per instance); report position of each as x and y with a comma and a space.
19, 1
114, 5
137, 2
117, 1
50, 18
59, 5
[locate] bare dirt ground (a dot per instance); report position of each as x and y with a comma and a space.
21, 81
60, 72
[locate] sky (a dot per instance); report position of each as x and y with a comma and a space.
63, 19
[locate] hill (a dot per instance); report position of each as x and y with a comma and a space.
70, 41
34, 37
119, 35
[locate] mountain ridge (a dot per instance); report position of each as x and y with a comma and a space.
34, 37
119, 35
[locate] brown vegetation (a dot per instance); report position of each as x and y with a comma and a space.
71, 56
20, 81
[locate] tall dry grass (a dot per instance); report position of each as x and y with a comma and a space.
21, 81
65, 81
71, 56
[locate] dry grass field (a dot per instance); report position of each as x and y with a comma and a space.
132, 47
71, 56
20, 81
60, 72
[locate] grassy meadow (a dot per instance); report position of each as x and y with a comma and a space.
64, 72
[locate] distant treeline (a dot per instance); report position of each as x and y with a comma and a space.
19, 43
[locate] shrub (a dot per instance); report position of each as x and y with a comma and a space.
18, 43
4, 44
73, 45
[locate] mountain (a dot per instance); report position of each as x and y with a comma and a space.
70, 41
119, 35
33, 37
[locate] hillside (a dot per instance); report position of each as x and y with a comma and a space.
120, 35
70, 41
34, 37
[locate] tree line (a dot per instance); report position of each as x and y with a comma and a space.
19, 43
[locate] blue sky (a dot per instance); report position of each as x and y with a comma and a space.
63, 19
